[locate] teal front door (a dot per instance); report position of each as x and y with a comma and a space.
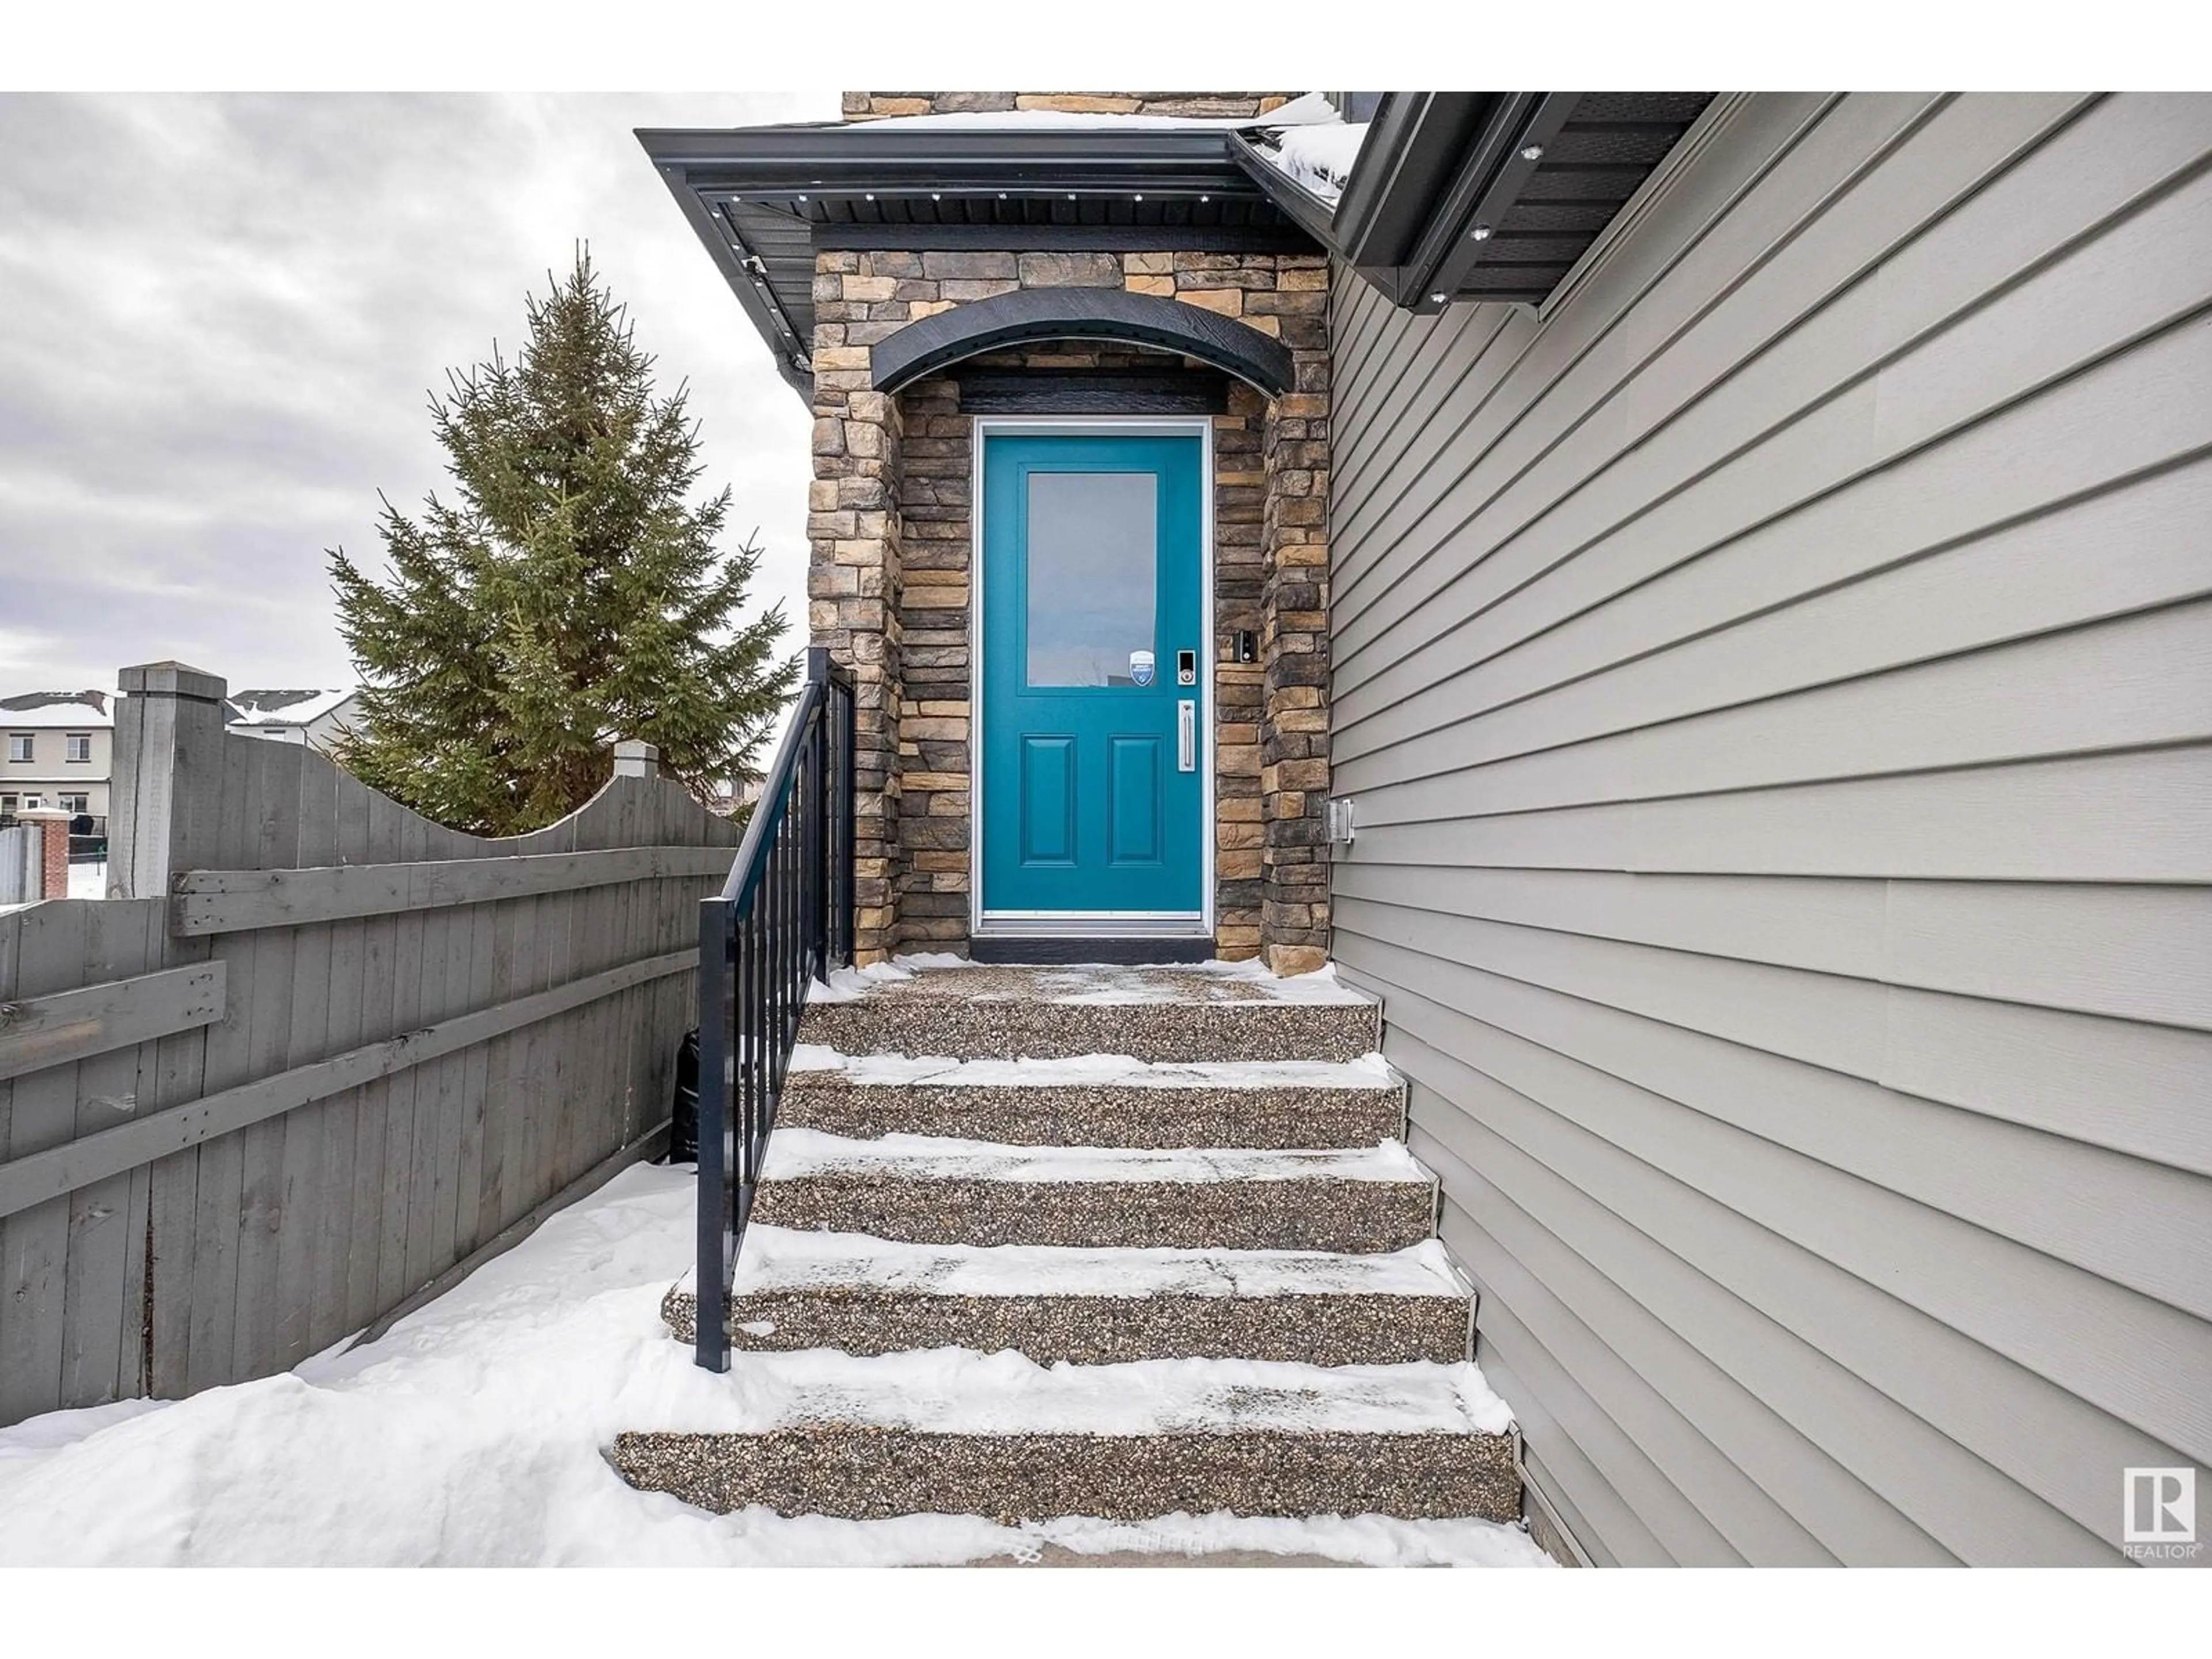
1093, 626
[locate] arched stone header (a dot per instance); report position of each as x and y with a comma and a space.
925, 346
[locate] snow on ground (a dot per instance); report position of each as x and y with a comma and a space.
88, 880
472, 1433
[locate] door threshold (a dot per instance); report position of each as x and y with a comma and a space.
1116, 951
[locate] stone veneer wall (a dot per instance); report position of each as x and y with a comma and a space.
890, 591
936, 617
874, 105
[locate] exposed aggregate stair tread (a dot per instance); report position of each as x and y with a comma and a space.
1160, 1015
917, 1190
1324, 1329
825, 1433
796, 1154
864, 1296
1313, 1215
864, 1474
1095, 1101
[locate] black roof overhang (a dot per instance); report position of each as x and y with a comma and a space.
748, 277
762, 199
1483, 195
1082, 313
1434, 165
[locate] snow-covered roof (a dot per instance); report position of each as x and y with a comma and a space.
1312, 107
1319, 156
52, 710
1308, 138
273, 708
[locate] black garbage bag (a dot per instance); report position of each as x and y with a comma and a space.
683, 1135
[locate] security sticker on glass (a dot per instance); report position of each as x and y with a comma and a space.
1140, 668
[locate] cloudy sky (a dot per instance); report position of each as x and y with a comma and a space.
223, 317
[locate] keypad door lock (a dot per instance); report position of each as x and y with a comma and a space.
1186, 668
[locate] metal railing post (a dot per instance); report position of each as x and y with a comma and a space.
711, 1339
848, 742
817, 823
819, 671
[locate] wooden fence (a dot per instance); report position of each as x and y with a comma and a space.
325, 1056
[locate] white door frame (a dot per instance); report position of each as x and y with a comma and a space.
1113, 923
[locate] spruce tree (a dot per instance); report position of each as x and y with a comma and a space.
570, 593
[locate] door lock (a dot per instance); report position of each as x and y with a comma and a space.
1186, 668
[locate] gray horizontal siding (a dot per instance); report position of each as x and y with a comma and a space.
1777, 688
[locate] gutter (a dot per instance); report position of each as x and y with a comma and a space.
1314, 214
776, 160
748, 280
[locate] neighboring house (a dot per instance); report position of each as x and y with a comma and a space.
725, 800
59, 751
311, 718
1698, 602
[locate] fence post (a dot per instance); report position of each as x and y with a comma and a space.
165, 816
633, 759
167, 805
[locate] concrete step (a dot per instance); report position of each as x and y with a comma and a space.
820, 1433
928, 1191
1205, 1012
866, 1296
860, 1472
1095, 1100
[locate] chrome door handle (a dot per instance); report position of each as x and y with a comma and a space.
1186, 736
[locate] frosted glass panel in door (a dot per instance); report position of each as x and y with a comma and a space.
1092, 575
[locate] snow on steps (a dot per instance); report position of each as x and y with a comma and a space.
957, 1433
867, 1296
1178, 1188
777, 1259
926, 1190
1196, 1013
1095, 1100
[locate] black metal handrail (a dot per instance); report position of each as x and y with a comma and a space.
783, 918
